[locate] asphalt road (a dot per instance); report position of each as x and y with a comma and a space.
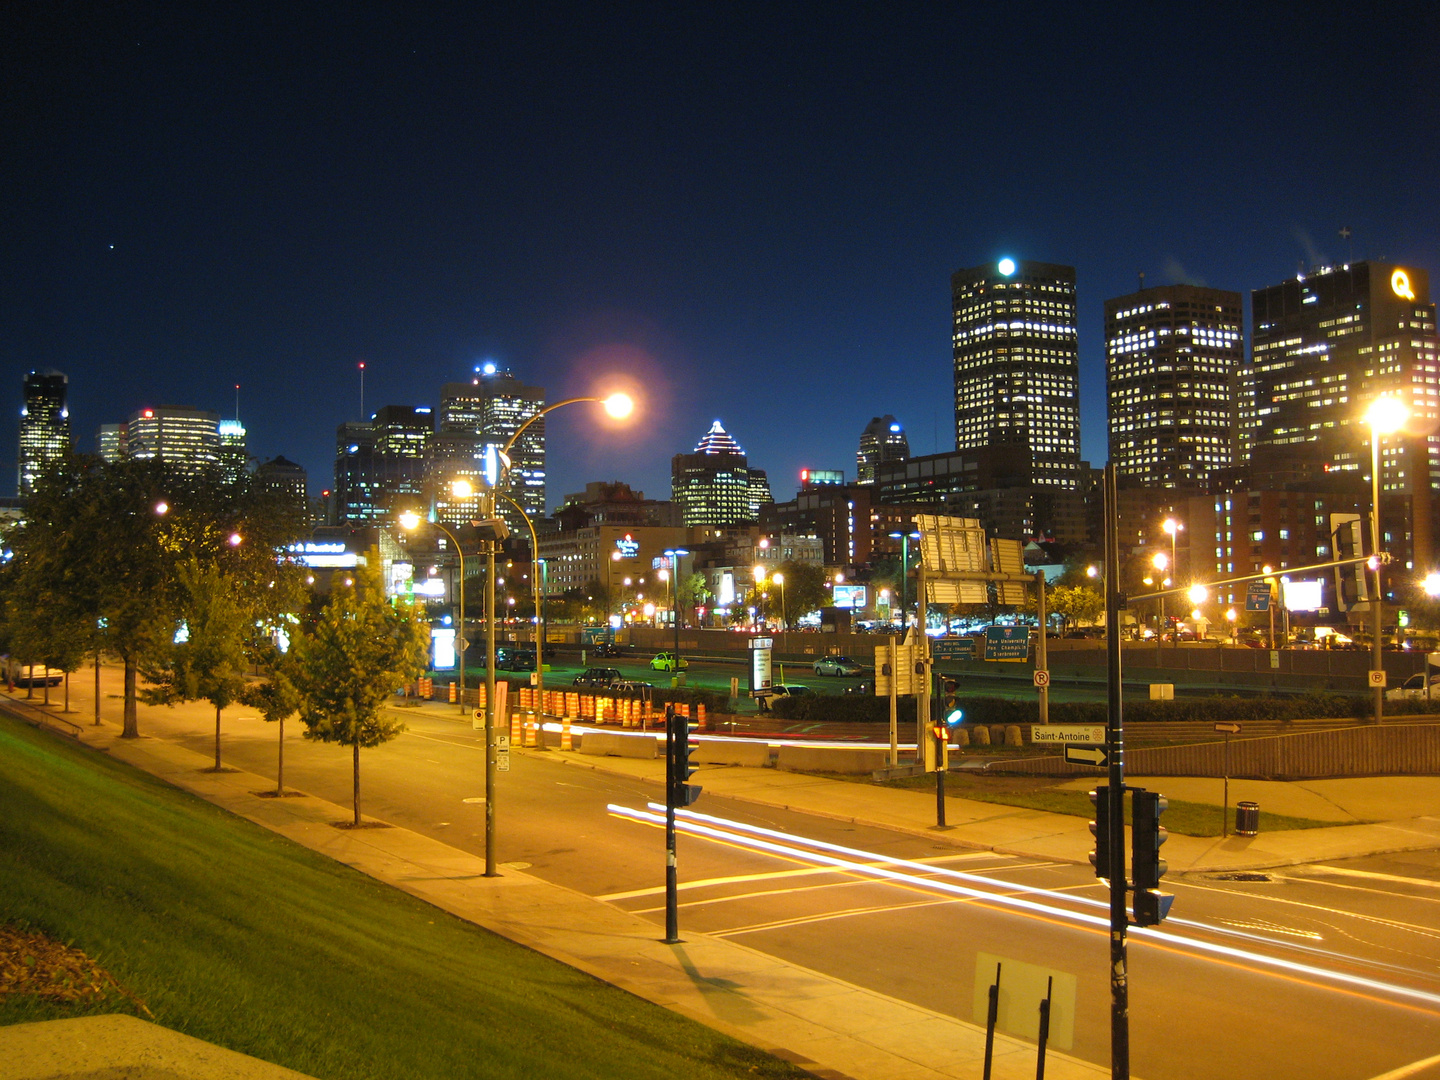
1325, 973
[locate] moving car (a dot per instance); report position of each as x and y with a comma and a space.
515, 660
1413, 689
780, 690
607, 648
666, 662
602, 677
837, 665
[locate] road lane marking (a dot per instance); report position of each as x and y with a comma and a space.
1394, 879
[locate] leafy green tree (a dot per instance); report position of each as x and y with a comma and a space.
102, 544
693, 592
206, 657
362, 650
804, 589
276, 698
1074, 603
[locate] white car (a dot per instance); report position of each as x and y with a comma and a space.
837, 665
1413, 689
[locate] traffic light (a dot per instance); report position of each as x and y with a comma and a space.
1100, 829
678, 769
941, 734
1150, 904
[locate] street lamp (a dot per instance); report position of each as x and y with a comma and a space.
538, 593
904, 539
1385, 416
410, 521
1160, 561
673, 554
617, 406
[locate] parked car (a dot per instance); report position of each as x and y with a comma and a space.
1413, 689
780, 690
837, 665
515, 660
863, 688
607, 648
666, 662
34, 674
601, 677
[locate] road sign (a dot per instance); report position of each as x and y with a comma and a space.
502, 743
1229, 729
903, 675
1042, 677
1377, 678
1086, 755
502, 761
1257, 596
1007, 643
952, 648
462, 645
1067, 733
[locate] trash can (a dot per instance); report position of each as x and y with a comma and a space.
1247, 818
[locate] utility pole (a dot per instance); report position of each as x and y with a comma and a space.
1115, 793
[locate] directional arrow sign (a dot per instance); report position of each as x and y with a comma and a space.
1086, 755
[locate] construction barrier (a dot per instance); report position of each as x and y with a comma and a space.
515, 728
565, 741
702, 722
454, 692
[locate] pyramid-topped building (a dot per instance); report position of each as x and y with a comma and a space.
715, 485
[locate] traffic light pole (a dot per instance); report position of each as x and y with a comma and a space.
672, 883
1115, 751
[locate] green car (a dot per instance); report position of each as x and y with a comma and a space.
666, 662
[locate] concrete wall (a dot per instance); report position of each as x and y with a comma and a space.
831, 759
613, 744
712, 752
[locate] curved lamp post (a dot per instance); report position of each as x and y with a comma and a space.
537, 593
1385, 416
673, 554
618, 406
410, 521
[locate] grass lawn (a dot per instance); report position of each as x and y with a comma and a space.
232, 934
1041, 793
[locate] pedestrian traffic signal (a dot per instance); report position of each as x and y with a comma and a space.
1150, 904
1100, 829
678, 768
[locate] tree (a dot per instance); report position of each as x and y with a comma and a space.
693, 592
275, 699
361, 651
804, 589
1074, 604
205, 658
103, 544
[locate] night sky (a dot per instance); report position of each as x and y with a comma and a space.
750, 211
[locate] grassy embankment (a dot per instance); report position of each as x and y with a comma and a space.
232, 934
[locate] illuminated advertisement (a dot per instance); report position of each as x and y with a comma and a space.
850, 596
1302, 595
443, 648
627, 546
325, 554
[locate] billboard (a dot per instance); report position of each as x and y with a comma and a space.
850, 596
1302, 595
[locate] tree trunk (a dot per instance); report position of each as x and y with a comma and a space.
46, 678
131, 729
97, 687
357, 783
67, 692
280, 761
217, 738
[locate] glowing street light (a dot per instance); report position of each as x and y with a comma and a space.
410, 521
1385, 416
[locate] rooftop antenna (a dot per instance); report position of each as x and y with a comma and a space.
362, 391
237, 402
1142, 280
1349, 248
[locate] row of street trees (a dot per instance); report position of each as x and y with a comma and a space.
185, 579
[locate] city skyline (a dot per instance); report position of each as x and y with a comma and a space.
756, 222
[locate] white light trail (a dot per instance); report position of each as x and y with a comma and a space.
694, 823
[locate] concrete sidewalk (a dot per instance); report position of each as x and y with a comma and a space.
825, 1025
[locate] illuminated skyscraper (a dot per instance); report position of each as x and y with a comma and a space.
1172, 358
44, 425
715, 485
882, 440
186, 438
1325, 345
491, 408
110, 443
1017, 379
233, 455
